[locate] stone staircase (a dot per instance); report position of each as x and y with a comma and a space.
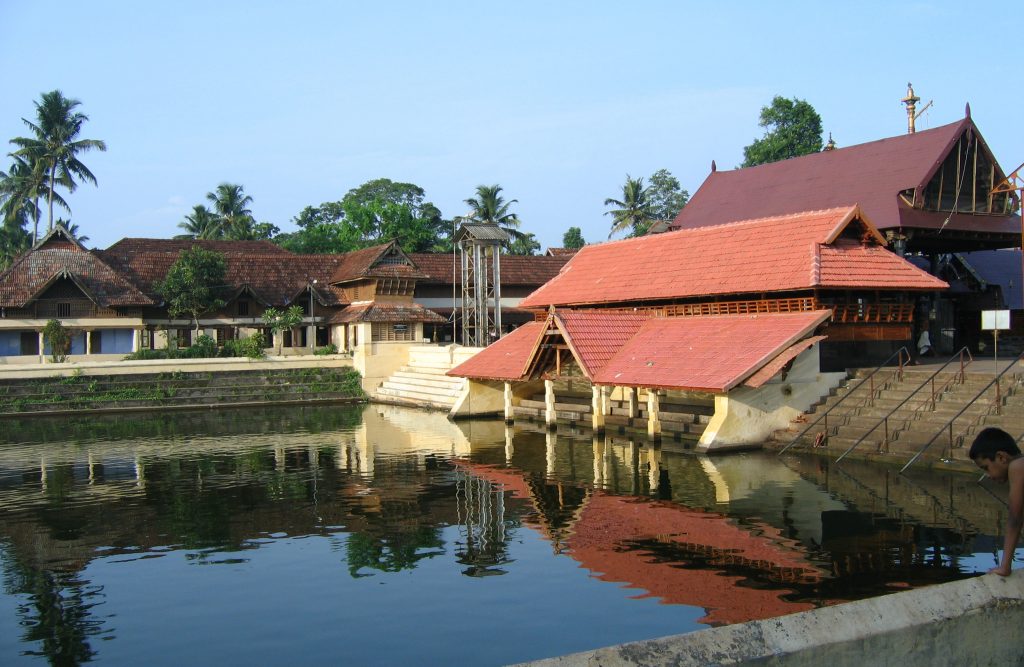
914, 418
422, 382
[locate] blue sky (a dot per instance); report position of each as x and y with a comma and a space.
557, 102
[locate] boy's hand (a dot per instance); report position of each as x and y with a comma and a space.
1001, 571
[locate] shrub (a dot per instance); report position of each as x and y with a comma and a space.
330, 348
59, 340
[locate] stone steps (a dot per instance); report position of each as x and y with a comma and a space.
423, 381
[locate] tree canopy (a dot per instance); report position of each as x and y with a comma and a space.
667, 197
792, 128
53, 149
634, 211
573, 238
194, 283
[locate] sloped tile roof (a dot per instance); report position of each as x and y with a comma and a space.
385, 312
515, 269
361, 264
35, 270
713, 353
505, 359
752, 256
871, 174
1000, 267
131, 246
594, 336
769, 370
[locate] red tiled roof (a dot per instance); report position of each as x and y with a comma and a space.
769, 370
871, 174
360, 264
713, 353
57, 256
505, 359
132, 246
515, 269
783, 253
562, 251
594, 336
385, 312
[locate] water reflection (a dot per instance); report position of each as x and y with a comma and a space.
84, 504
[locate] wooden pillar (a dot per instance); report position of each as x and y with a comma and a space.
509, 413
634, 403
597, 409
653, 409
549, 404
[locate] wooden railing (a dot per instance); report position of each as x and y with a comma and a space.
867, 313
873, 313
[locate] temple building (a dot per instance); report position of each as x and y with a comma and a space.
723, 324
110, 301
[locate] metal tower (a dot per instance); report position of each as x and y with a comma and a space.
481, 289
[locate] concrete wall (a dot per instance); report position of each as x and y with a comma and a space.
118, 367
377, 361
970, 622
746, 417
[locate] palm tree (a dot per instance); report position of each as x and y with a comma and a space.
14, 240
74, 231
634, 211
201, 223
230, 204
20, 190
55, 147
490, 206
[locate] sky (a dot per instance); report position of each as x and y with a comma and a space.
555, 101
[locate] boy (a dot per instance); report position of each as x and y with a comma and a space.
996, 452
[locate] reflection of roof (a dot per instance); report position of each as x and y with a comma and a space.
713, 353
871, 174
829, 248
505, 359
608, 534
385, 312
515, 269
57, 256
1000, 267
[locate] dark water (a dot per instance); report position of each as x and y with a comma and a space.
388, 536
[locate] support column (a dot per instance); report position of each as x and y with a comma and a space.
597, 409
653, 410
311, 336
42, 347
509, 413
136, 339
634, 403
88, 341
549, 404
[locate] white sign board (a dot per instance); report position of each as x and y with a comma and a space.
993, 320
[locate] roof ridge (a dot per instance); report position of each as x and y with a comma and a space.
762, 219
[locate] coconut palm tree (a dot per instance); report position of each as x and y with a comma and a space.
634, 211
490, 206
20, 191
14, 240
230, 204
201, 223
55, 146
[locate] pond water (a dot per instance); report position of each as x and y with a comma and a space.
381, 535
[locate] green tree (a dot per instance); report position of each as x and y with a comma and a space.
792, 128
277, 320
524, 244
231, 206
573, 238
194, 283
633, 211
386, 190
55, 146
14, 240
489, 206
667, 197
201, 223
59, 339
20, 190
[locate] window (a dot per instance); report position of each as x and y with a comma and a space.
63, 309
243, 308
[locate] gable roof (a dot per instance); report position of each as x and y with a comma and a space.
713, 353
386, 312
783, 253
871, 174
57, 256
595, 336
366, 263
506, 358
